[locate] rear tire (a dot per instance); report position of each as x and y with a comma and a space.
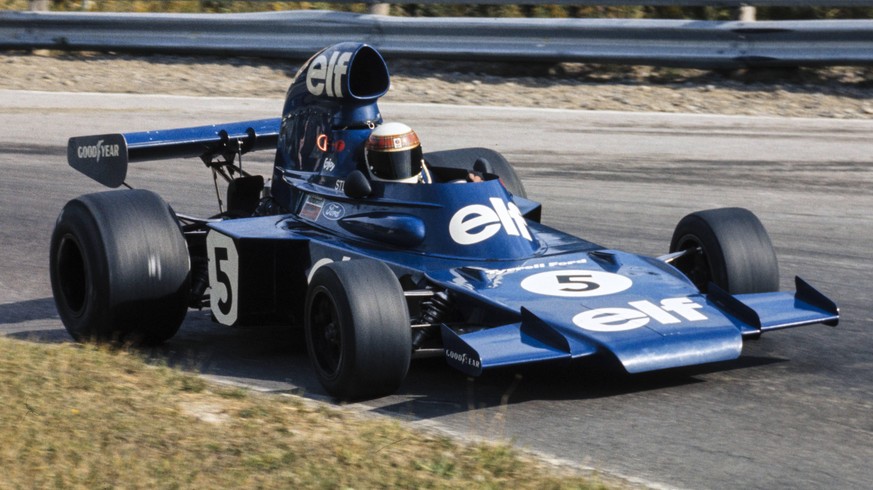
119, 268
358, 333
733, 251
465, 158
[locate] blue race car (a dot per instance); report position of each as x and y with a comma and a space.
384, 254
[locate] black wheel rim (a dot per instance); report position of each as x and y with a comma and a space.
326, 335
694, 264
72, 275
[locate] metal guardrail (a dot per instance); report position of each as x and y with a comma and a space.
298, 34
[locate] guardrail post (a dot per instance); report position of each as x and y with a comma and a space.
39, 5
746, 13
379, 8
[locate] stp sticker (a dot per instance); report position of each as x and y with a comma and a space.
311, 207
576, 283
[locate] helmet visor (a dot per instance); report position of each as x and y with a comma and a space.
395, 165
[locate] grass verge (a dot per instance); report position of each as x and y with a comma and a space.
91, 417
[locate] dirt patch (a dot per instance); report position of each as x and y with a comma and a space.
843, 92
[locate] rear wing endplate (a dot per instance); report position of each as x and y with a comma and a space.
105, 157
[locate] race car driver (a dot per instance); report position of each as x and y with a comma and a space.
393, 154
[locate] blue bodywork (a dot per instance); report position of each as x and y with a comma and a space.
522, 292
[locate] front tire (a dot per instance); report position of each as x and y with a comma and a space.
119, 268
358, 334
729, 247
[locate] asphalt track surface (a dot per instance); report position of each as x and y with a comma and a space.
795, 411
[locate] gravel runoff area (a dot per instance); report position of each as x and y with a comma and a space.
843, 92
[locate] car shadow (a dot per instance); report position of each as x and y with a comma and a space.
34, 320
28, 310
433, 389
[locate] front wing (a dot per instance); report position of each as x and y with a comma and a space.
538, 338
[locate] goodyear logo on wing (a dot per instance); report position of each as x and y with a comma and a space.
98, 150
103, 157
324, 76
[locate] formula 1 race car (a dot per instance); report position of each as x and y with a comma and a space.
379, 271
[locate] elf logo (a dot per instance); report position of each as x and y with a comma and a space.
325, 76
476, 223
670, 311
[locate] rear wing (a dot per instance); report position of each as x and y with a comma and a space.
105, 157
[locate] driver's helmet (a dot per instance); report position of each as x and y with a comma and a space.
393, 154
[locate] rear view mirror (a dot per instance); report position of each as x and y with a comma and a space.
357, 186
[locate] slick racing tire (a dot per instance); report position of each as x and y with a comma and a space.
358, 334
494, 162
733, 251
119, 268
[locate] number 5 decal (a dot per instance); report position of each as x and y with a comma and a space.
576, 283
223, 277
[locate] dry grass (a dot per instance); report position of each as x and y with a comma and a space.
75, 416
